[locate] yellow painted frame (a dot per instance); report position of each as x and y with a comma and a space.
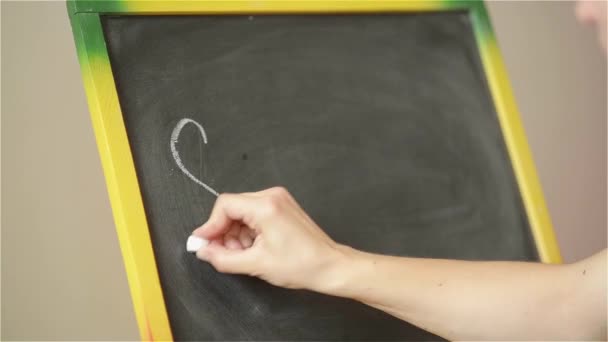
117, 161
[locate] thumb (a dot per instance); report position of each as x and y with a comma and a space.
236, 261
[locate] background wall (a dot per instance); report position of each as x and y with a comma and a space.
62, 272
558, 73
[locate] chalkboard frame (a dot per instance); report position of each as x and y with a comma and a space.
117, 160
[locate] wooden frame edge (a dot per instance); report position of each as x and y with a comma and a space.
515, 139
121, 179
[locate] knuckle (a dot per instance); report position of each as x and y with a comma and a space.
280, 192
272, 204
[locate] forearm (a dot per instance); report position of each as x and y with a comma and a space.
465, 300
454, 299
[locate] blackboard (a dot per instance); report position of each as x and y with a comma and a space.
381, 126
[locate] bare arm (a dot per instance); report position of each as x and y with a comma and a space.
267, 235
482, 300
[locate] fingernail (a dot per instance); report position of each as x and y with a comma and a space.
195, 243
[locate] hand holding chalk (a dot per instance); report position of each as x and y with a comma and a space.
195, 243
266, 234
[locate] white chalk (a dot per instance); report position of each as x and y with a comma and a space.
175, 137
195, 243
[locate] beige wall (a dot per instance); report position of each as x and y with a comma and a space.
62, 273
558, 73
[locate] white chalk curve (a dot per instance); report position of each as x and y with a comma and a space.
175, 137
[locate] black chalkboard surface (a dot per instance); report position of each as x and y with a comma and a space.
381, 126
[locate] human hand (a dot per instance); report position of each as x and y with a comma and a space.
268, 235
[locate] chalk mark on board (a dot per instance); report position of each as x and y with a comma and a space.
175, 137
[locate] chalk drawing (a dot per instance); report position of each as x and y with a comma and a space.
175, 137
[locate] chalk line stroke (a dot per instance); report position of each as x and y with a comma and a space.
175, 137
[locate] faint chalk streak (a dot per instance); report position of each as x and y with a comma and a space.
175, 137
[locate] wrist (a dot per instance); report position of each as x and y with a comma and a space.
339, 272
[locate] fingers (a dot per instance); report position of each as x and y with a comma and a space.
232, 228
246, 237
231, 238
227, 260
241, 207
237, 237
227, 209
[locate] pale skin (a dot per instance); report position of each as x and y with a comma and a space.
267, 235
